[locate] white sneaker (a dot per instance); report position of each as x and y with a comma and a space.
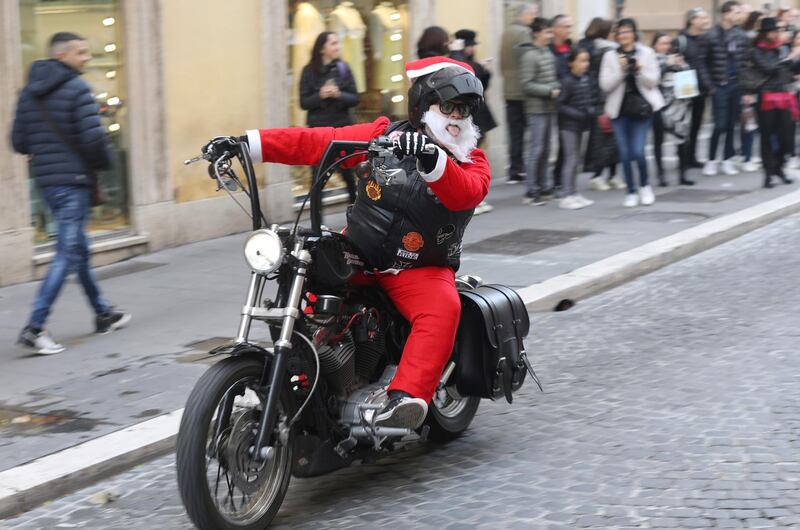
570, 203
631, 200
598, 184
584, 200
406, 412
729, 168
483, 207
40, 343
711, 168
646, 195
617, 183
750, 167
794, 163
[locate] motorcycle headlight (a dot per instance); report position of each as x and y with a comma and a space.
263, 251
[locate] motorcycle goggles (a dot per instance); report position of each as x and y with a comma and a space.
464, 109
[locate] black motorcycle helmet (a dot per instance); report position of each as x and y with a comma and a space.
442, 85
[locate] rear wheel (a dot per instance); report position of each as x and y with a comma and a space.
449, 414
222, 486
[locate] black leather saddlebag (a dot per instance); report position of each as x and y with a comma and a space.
489, 351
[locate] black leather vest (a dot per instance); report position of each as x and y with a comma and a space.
398, 223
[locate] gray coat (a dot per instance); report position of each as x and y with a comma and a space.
517, 33
537, 78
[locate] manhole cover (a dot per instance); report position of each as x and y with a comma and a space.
522, 242
695, 195
665, 217
208, 344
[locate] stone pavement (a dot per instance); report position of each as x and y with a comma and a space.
186, 300
670, 402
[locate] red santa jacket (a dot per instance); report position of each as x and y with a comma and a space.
436, 217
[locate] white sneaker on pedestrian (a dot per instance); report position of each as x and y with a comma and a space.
40, 342
729, 168
646, 195
584, 200
711, 168
793, 163
631, 200
570, 203
598, 184
750, 166
483, 207
617, 183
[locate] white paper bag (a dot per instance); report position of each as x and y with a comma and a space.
685, 84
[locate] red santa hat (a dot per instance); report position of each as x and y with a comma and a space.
415, 69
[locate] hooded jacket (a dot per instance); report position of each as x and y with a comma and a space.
71, 106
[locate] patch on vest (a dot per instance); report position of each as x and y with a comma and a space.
413, 241
444, 233
373, 190
407, 255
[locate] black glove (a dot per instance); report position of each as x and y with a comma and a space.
414, 144
217, 146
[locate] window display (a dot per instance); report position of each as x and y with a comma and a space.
372, 35
99, 22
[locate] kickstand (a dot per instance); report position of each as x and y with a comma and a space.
529, 366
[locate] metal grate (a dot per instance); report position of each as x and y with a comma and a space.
521, 242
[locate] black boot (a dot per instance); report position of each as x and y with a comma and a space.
768, 182
685, 181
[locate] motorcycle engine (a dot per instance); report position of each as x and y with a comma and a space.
349, 354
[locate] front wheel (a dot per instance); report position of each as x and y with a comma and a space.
221, 485
449, 414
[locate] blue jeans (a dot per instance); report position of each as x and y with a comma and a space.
631, 136
70, 208
726, 103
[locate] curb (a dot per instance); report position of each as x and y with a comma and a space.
626, 266
24, 487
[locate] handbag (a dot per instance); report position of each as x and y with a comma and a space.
98, 194
635, 106
685, 84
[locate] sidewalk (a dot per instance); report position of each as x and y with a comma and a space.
187, 300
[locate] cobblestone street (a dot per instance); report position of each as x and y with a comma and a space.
671, 402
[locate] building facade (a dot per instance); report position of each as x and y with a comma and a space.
170, 74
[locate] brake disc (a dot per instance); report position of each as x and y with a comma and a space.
246, 473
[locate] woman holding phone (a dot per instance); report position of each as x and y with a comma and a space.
630, 76
328, 92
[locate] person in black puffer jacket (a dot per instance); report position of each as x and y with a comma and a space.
777, 102
328, 92
727, 44
577, 110
58, 126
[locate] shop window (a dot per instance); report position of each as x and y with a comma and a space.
373, 39
99, 22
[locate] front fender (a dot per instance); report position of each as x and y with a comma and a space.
238, 349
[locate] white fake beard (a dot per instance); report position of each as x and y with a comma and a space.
459, 146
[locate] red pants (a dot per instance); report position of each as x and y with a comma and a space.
428, 299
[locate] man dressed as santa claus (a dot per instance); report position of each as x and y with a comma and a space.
409, 223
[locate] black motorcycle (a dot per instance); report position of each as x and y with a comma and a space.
306, 405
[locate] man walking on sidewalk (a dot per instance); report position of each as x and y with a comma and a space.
57, 125
727, 45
